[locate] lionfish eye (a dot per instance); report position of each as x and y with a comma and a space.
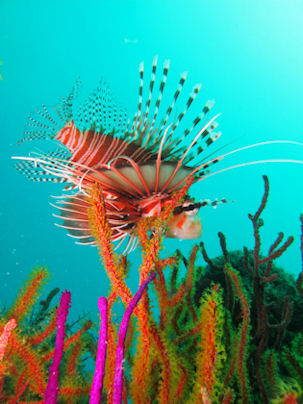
188, 207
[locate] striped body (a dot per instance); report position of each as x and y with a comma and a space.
94, 149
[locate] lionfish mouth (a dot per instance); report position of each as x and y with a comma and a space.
139, 162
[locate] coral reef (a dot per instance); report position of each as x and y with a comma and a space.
29, 347
228, 331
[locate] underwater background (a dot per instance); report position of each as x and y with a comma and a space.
248, 57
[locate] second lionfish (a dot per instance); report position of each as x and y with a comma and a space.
139, 163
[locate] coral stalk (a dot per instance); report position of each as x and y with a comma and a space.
300, 277
244, 333
38, 338
34, 367
96, 391
52, 388
290, 398
28, 295
211, 353
102, 233
4, 337
118, 380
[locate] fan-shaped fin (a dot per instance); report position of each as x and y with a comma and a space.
101, 112
73, 210
46, 122
35, 172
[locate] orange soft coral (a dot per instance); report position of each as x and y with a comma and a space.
29, 294
211, 353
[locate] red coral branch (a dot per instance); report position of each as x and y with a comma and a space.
118, 380
189, 282
37, 339
102, 233
35, 370
28, 294
242, 351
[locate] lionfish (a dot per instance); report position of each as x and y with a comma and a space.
139, 163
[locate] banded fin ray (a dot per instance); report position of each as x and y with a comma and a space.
36, 173
73, 210
101, 112
46, 122
97, 133
148, 134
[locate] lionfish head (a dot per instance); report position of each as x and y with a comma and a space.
186, 222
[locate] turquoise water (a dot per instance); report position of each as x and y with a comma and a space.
248, 57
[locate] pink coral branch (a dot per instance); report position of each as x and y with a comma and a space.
52, 388
96, 391
118, 380
4, 337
